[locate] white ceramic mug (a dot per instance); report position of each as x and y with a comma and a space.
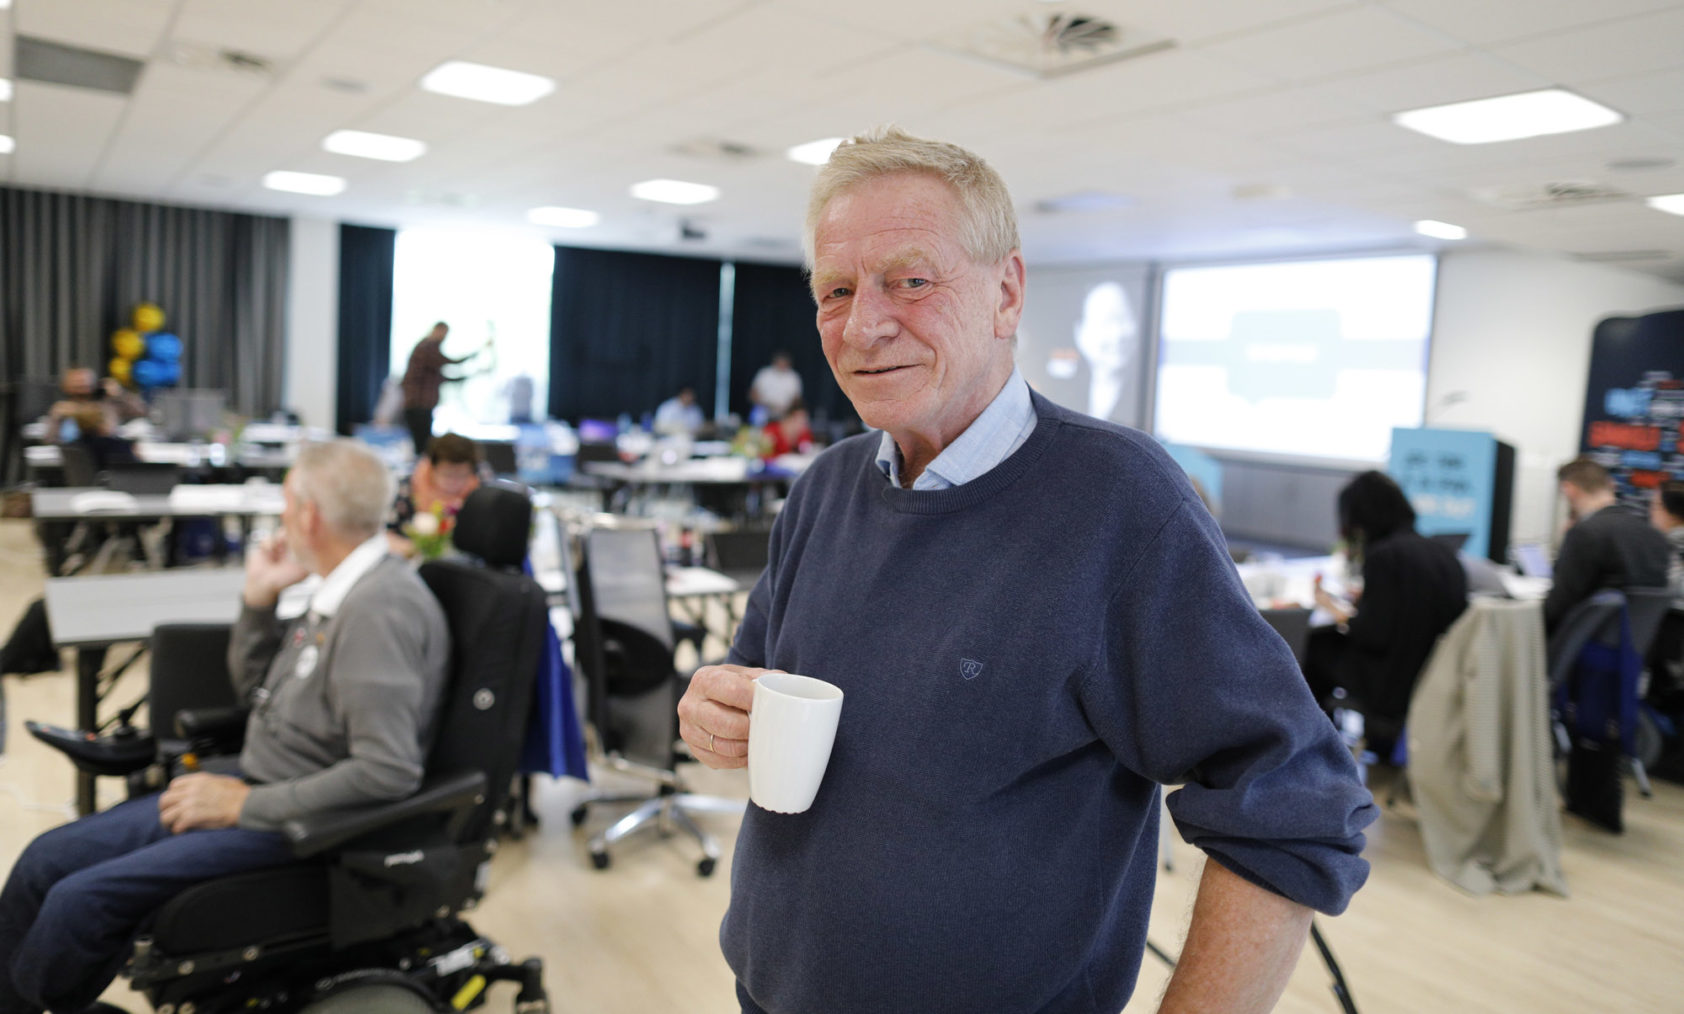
790, 731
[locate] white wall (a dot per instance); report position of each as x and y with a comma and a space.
312, 366
1511, 355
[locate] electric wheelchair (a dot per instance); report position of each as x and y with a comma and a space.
369, 918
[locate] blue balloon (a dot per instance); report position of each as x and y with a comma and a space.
172, 375
148, 373
163, 346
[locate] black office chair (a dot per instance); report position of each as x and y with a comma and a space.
624, 641
500, 456
740, 555
1597, 620
142, 478
1293, 624
369, 919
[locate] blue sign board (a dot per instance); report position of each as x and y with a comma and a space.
1450, 479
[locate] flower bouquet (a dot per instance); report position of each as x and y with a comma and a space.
429, 532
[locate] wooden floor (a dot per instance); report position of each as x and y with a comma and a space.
642, 936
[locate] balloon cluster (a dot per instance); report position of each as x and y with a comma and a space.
145, 355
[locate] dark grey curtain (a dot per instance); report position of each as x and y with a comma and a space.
366, 262
771, 311
627, 330
72, 268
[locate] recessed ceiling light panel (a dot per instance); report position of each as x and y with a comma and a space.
1509, 117
487, 84
5, 89
1440, 230
384, 147
813, 152
674, 192
1672, 204
314, 184
7, 145
566, 218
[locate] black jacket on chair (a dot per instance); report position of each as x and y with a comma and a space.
1412, 590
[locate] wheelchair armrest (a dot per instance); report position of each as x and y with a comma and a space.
112, 755
319, 832
195, 724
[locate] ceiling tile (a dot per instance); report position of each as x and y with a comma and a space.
1612, 49
1492, 21
129, 27
1336, 43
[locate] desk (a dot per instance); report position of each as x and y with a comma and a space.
192, 501
714, 473
90, 614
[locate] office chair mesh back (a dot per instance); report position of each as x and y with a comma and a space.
626, 643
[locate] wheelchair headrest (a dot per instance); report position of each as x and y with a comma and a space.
495, 524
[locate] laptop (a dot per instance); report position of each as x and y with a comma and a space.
1532, 559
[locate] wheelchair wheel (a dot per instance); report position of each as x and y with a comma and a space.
374, 998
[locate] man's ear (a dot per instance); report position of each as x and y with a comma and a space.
1009, 310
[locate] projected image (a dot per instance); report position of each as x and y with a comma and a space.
1080, 341
1307, 359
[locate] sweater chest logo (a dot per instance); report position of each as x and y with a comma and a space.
970, 668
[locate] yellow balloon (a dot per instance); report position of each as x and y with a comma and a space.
148, 317
119, 368
128, 343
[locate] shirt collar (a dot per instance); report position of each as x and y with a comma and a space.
339, 582
990, 439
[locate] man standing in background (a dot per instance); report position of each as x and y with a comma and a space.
422, 380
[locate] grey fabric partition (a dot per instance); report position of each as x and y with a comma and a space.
72, 268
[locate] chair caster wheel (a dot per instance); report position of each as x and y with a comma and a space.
577, 816
599, 860
705, 868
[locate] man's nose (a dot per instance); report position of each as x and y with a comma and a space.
870, 317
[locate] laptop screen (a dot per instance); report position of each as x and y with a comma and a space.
1533, 559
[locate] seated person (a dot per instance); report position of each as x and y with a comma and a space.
1608, 545
679, 415
441, 481
94, 432
116, 404
790, 433
1413, 588
345, 700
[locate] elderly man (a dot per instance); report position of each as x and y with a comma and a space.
82, 388
1036, 624
344, 703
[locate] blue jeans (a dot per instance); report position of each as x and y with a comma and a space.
80, 892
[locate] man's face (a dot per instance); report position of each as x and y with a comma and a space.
438, 332
918, 335
452, 478
79, 383
298, 518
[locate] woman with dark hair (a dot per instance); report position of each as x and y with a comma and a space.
1413, 588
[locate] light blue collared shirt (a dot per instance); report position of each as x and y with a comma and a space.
990, 439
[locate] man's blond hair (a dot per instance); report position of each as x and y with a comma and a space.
348, 483
987, 223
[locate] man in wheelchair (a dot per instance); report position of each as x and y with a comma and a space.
345, 703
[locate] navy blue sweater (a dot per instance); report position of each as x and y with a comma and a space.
1025, 658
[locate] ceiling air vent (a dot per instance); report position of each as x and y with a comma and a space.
199, 56
717, 149
1053, 44
1558, 194
55, 63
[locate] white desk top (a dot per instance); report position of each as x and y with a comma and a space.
71, 502
105, 609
